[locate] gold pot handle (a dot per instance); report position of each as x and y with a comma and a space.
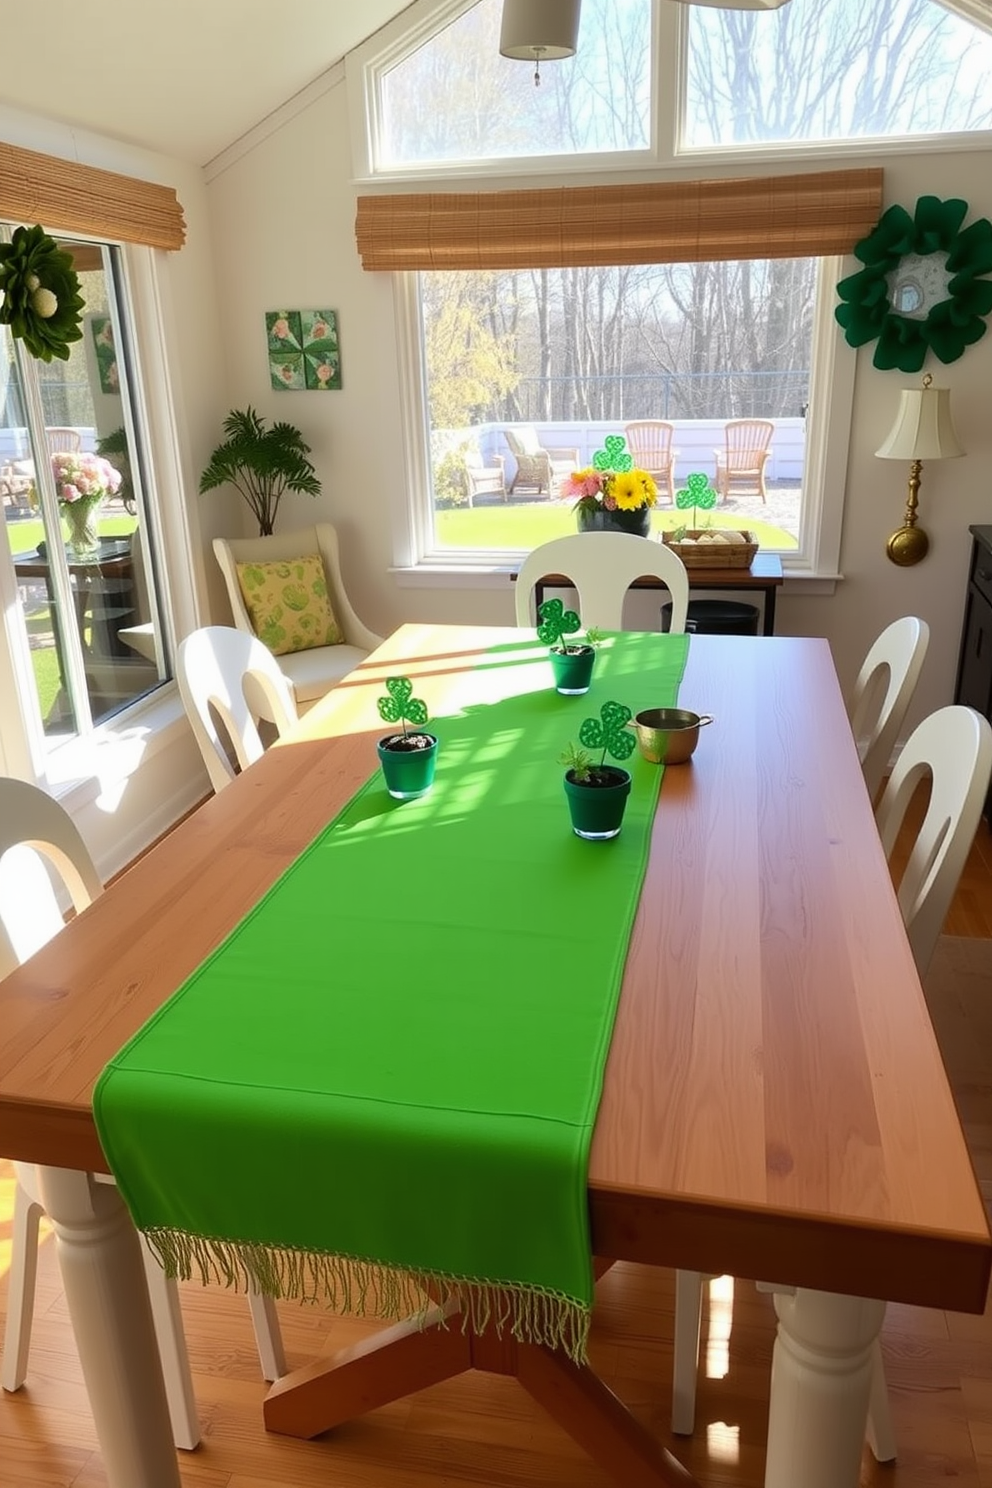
705, 718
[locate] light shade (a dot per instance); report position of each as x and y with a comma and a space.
539, 30
923, 429
739, 4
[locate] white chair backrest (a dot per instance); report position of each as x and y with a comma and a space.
29, 909
953, 748
321, 538
63, 440
602, 566
216, 669
883, 691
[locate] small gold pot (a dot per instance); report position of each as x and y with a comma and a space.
668, 736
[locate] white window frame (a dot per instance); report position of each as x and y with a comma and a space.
88, 765
824, 475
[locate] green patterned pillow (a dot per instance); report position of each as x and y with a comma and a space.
288, 604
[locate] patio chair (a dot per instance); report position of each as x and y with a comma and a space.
482, 479
650, 444
744, 456
62, 440
952, 751
538, 468
30, 916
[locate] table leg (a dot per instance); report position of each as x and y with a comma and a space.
821, 1384
103, 1273
769, 615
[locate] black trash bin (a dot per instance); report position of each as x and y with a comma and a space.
716, 617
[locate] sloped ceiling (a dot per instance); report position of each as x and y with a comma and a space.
182, 77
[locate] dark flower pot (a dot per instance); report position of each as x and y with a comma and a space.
408, 764
638, 521
572, 669
597, 804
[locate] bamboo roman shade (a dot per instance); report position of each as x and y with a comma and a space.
68, 197
805, 216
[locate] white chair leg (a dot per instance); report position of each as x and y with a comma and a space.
164, 1297
20, 1294
685, 1361
268, 1338
881, 1436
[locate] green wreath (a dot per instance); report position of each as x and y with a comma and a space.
921, 288
41, 299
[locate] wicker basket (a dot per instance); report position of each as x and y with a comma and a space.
715, 555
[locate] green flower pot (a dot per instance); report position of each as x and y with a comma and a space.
572, 669
408, 768
597, 806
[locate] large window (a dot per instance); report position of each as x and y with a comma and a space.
80, 550
558, 359
843, 70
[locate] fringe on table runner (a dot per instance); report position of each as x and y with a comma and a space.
531, 1314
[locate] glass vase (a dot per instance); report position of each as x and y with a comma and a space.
83, 540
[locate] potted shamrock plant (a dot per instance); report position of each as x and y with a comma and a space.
597, 792
407, 759
572, 662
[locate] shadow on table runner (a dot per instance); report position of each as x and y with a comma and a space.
396, 1058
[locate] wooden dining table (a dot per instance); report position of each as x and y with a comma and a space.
774, 1105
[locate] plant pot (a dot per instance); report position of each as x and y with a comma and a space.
408, 764
638, 521
572, 669
597, 805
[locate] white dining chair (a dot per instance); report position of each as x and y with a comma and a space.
882, 694
313, 671
952, 751
36, 831
227, 676
601, 566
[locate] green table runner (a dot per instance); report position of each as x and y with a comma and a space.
395, 1060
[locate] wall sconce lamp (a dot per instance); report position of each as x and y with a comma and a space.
537, 33
922, 431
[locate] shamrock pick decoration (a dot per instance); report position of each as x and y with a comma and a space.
401, 706
556, 623
608, 732
698, 493
614, 456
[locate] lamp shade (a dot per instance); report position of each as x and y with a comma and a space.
923, 429
539, 30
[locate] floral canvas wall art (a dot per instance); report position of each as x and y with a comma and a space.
303, 349
102, 330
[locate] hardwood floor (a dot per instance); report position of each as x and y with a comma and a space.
480, 1430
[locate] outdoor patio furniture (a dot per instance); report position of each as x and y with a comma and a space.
650, 444
542, 469
743, 457
482, 479
14, 488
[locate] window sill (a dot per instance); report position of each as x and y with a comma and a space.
81, 770
482, 575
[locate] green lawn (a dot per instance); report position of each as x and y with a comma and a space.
24, 537
526, 527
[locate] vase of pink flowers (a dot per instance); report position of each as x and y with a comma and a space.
612, 494
82, 484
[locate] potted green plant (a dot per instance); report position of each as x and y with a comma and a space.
407, 759
597, 792
571, 663
260, 464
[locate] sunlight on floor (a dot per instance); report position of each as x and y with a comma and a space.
721, 1325
723, 1442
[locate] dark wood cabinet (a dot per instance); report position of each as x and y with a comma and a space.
974, 682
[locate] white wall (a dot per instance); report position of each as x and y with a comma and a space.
283, 212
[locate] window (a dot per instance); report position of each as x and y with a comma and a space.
844, 70
85, 623
529, 372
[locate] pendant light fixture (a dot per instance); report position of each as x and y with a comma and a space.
539, 31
